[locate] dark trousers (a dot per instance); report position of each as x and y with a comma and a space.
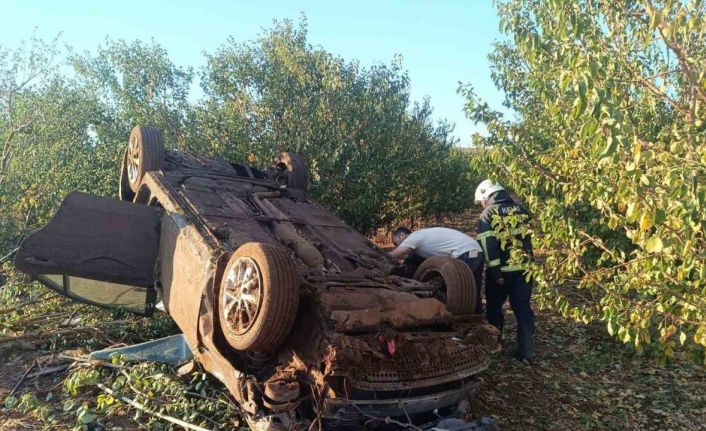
519, 291
476, 264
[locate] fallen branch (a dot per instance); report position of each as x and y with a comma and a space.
143, 395
22, 323
68, 321
91, 362
143, 408
50, 370
61, 331
37, 338
22, 379
2, 259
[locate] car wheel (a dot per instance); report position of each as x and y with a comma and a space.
296, 169
145, 152
259, 297
457, 288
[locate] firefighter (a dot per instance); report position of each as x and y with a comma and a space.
438, 241
503, 279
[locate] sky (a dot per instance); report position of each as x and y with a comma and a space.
441, 42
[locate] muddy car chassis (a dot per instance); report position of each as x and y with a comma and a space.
294, 311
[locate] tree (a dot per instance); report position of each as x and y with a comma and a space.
66, 132
22, 72
609, 151
374, 158
136, 83
47, 145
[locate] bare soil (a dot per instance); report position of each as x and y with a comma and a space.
582, 379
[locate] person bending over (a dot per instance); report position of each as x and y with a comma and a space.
438, 241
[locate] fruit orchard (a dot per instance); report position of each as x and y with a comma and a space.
608, 149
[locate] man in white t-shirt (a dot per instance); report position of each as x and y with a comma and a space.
438, 241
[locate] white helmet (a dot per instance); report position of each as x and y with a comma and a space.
485, 189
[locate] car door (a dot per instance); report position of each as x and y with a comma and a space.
97, 250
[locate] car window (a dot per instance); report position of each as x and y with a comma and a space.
55, 281
102, 293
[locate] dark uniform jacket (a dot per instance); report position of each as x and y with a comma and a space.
497, 257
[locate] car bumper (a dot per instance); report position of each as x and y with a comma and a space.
346, 410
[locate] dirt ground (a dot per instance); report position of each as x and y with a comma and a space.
582, 379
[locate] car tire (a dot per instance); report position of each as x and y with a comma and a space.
145, 152
296, 168
258, 297
459, 288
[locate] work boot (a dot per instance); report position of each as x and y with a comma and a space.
526, 360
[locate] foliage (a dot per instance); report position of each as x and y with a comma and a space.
196, 398
374, 160
608, 150
136, 83
65, 117
62, 132
50, 324
43, 119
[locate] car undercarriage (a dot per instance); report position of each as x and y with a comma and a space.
300, 316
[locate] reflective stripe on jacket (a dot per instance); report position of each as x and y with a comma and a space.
497, 257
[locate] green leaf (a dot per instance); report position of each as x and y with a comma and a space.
579, 106
10, 402
609, 149
564, 79
595, 103
659, 216
653, 244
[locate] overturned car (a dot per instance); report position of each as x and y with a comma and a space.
296, 313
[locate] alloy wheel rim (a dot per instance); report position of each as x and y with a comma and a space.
133, 159
241, 295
